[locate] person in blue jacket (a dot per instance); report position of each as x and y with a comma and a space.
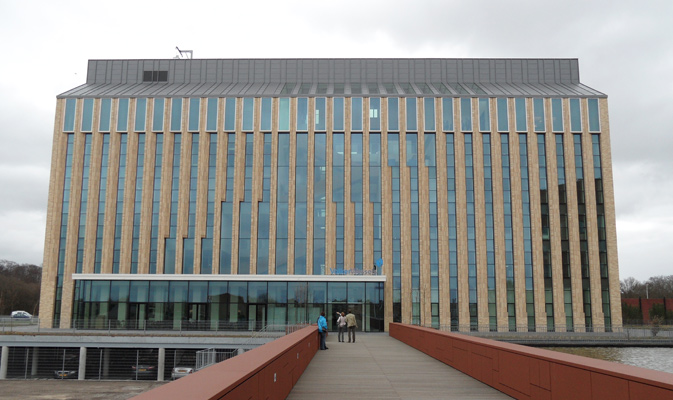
322, 330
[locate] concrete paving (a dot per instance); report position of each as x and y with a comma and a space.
377, 366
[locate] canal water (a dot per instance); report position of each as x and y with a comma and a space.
656, 358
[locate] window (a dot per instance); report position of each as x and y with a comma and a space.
155, 76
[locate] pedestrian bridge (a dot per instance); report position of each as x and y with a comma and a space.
413, 363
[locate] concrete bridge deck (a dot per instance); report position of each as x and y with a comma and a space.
377, 366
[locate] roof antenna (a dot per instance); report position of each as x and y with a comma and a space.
184, 54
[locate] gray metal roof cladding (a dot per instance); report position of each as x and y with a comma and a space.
379, 77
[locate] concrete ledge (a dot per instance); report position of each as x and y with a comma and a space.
529, 373
268, 372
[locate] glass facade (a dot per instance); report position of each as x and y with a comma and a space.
288, 187
222, 305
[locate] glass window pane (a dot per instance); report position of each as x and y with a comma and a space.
484, 116
230, 114
69, 118
320, 114
217, 292
520, 110
87, 115
194, 111
123, 115
159, 291
284, 114
412, 120
297, 292
141, 112
317, 292
557, 115
594, 118
119, 291
248, 114
375, 114
238, 292
266, 114
302, 114
105, 108
393, 114
257, 292
429, 111
356, 292
198, 292
158, 118
176, 116
211, 117
356, 114
503, 122
575, 116
336, 292
139, 291
466, 114
447, 114
538, 115
278, 292
178, 291
338, 116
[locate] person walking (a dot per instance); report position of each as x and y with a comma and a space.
341, 323
352, 324
322, 330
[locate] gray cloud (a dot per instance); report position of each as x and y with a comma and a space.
625, 50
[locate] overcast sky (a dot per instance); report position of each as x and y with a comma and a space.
625, 49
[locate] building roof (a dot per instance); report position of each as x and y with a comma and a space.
310, 77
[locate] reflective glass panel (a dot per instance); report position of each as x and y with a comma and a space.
484, 116
447, 114
194, 111
69, 118
141, 112
248, 114
230, 114
105, 109
356, 114
302, 114
176, 116
123, 115
538, 114
557, 115
284, 114
338, 114
87, 115
594, 118
211, 115
520, 111
266, 115
429, 112
412, 120
575, 116
320, 114
466, 114
393, 114
503, 122
375, 114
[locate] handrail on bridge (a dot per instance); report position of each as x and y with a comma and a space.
268, 371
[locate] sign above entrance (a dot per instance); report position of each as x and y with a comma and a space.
355, 272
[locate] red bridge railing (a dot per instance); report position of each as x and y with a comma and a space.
529, 373
266, 372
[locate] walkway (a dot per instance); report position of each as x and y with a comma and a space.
380, 367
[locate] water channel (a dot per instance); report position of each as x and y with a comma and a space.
656, 358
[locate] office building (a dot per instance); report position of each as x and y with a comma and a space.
465, 194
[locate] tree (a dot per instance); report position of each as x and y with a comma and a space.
631, 288
19, 287
631, 314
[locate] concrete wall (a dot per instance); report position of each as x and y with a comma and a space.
267, 372
529, 373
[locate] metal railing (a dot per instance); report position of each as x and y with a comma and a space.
207, 357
